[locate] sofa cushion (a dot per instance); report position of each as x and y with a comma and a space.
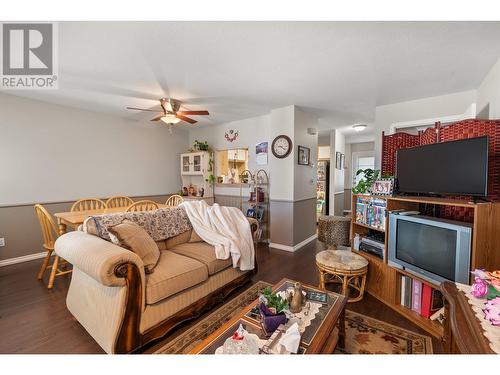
134, 238
173, 274
205, 253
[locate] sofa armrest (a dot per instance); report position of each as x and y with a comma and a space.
100, 259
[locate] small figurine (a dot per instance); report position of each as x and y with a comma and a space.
192, 191
296, 303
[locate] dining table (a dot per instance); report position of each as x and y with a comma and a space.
76, 218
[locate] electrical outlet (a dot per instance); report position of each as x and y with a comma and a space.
2, 242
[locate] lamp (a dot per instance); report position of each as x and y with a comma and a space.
359, 127
170, 119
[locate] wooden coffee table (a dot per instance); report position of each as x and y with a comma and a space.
326, 330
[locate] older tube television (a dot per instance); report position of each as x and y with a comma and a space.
435, 249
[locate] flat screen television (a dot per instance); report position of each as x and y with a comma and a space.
456, 167
434, 249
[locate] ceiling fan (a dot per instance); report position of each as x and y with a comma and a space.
170, 112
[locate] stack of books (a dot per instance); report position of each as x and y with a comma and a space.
371, 211
420, 297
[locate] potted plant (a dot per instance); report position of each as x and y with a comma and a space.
272, 310
365, 184
200, 146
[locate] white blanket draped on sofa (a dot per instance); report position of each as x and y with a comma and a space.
225, 228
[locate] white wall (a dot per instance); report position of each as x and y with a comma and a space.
305, 175
51, 153
282, 170
489, 92
439, 106
338, 173
324, 152
337, 144
289, 181
250, 132
348, 162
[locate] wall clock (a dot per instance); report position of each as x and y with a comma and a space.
282, 146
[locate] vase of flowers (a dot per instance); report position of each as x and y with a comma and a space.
487, 285
272, 308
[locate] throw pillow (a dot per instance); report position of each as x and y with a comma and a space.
133, 237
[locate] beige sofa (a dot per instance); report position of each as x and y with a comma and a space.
122, 308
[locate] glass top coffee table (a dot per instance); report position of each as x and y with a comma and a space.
323, 332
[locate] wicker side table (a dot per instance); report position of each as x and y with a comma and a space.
345, 268
334, 231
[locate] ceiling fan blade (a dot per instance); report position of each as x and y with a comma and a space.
184, 118
199, 113
143, 109
157, 118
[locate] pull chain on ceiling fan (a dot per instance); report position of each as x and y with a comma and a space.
170, 112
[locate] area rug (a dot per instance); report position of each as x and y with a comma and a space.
364, 335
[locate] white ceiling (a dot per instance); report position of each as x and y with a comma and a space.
236, 70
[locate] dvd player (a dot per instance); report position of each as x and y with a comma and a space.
371, 246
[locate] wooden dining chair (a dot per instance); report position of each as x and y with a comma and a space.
50, 235
144, 205
88, 204
119, 201
174, 200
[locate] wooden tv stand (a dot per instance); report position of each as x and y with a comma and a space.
384, 281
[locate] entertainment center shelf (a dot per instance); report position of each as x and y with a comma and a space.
384, 280
369, 227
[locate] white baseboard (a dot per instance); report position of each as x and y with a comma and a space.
24, 258
293, 248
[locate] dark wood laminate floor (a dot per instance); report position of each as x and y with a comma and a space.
34, 319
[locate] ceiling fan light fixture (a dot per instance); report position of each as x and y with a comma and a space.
359, 127
170, 119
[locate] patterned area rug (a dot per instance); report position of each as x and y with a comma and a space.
364, 335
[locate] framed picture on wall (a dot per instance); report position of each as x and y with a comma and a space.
338, 160
342, 161
304, 155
